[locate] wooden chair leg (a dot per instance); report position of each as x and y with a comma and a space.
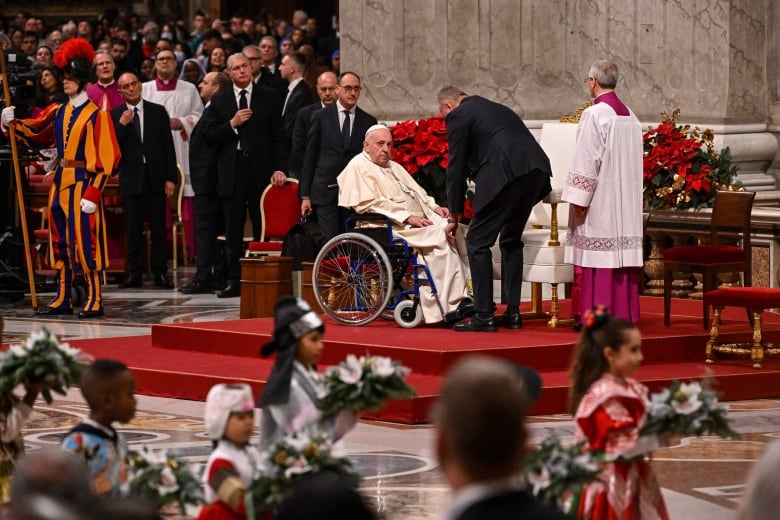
667, 293
757, 351
709, 357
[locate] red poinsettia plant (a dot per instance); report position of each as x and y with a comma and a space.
421, 148
681, 166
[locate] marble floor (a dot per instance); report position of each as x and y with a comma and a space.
701, 477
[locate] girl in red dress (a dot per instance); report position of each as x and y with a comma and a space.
609, 407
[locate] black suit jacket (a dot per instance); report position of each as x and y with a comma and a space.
326, 155
300, 130
491, 138
300, 97
511, 506
157, 148
272, 80
203, 159
264, 133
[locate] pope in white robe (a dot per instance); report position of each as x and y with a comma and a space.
373, 183
604, 186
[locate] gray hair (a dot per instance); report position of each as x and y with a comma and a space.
233, 57
450, 93
762, 491
605, 72
103, 51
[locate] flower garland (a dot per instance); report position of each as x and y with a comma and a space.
298, 454
681, 167
556, 473
687, 409
364, 384
41, 358
162, 478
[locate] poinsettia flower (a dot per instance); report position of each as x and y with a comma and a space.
168, 483
18, 350
686, 400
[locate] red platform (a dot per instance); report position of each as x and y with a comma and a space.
185, 360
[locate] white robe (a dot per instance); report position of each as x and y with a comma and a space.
184, 103
606, 178
367, 187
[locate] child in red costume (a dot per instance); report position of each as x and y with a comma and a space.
609, 407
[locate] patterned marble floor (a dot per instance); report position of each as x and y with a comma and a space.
701, 477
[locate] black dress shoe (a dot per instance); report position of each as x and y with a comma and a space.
163, 280
464, 310
131, 281
231, 290
53, 311
513, 321
197, 287
477, 324
84, 315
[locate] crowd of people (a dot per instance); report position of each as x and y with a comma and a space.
130, 71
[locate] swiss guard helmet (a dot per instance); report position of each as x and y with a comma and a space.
74, 58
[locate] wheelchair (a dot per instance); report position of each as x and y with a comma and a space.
364, 273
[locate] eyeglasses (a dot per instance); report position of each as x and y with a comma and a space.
350, 88
165, 58
254, 59
587, 79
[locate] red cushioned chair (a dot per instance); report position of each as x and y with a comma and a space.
280, 209
730, 219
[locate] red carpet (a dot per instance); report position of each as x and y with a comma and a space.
185, 360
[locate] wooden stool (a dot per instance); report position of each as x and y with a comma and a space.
755, 300
263, 281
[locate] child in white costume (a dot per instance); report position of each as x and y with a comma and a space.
233, 464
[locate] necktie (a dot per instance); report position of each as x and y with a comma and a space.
137, 124
242, 104
345, 129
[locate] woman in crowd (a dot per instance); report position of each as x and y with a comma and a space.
216, 61
43, 55
146, 70
192, 71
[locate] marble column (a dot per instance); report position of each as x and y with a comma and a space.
710, 58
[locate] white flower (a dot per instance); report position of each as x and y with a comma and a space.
382, 366
155, 456
540, 480
19, 350
168, 483
40, 335
351, 370
686, 400
70, 351
586, 462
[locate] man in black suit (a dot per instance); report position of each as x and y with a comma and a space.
298, 92
513, 174
335, 137
269, 75
480, 457
245, 124
207, 206
326, 90
147, 176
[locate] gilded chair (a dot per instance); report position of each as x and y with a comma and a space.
730, 223
280, 210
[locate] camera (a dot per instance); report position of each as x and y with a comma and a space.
19, 72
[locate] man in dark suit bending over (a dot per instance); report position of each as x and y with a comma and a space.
512, 175
147, 175
335, 137
245, 124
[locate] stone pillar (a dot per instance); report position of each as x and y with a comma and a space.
709, 58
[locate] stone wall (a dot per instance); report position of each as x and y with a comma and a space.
717, 60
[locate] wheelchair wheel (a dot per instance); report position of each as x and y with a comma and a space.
406, 315
352, 279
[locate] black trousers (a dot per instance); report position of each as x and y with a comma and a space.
506, 215
245, 195
207, 210
150, 206
331, 220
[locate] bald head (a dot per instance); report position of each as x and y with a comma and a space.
326, 88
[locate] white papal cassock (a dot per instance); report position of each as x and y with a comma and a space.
390, 191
